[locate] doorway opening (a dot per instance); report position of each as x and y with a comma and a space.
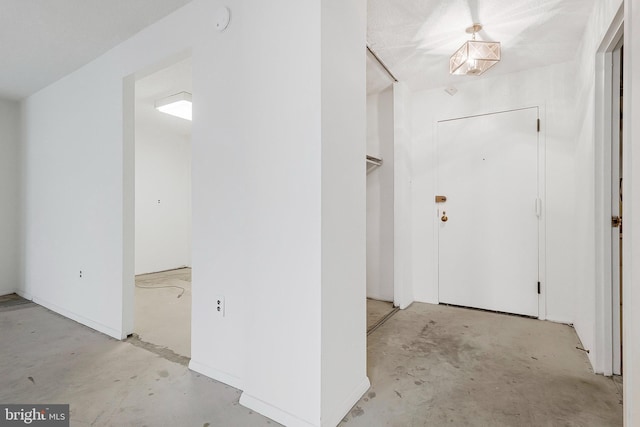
608, 202
162, 296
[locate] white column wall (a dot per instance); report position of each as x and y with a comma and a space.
9, 196
551, 89
343, 288
270, 207
631, 257
380, 198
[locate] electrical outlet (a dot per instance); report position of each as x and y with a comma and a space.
80, 273
219, 305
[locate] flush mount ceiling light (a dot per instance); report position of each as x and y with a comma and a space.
178, 105
474, 57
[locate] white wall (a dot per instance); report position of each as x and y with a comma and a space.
632, 205
380, 199
74, 168
163, 173
551, 89
9, 195
279, 230
584, 218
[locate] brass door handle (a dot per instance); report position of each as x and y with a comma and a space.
444, 217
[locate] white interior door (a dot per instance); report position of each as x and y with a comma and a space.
488, 246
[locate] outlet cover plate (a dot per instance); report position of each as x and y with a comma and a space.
219, 305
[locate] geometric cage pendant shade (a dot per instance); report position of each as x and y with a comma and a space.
474, 57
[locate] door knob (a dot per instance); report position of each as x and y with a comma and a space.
616, 221
444, 217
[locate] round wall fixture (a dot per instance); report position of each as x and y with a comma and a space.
222, 18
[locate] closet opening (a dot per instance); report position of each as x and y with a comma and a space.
380, 192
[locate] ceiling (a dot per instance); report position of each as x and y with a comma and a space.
415, 38
44, 40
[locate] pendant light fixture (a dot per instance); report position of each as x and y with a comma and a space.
474, 57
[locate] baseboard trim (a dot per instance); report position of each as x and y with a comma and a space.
276, 414
558, 320
349, 403
291, 420
215, 374
405, 306
426, 301
107, 330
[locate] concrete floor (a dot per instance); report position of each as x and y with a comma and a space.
51, 359
428, 365
435, 365
163, 310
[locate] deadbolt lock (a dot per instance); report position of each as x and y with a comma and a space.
444, 217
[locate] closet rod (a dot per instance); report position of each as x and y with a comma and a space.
377, 58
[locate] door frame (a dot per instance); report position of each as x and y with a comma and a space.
603, 196
616, 174
542, 220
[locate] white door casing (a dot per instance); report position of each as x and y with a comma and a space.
488, 247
